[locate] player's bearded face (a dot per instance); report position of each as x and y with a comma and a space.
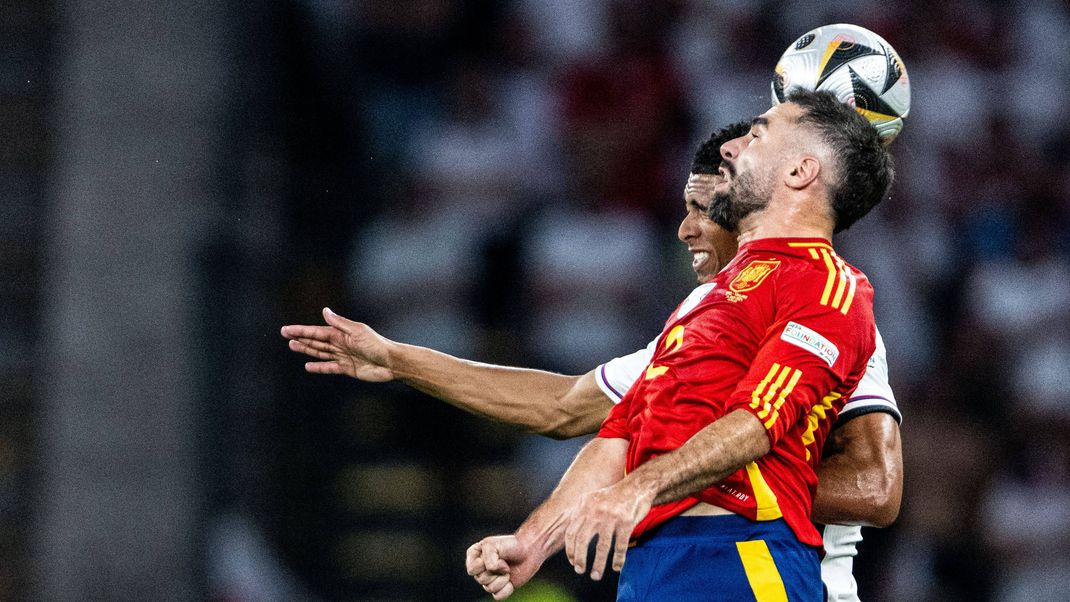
747, 192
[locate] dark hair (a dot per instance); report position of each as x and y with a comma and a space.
708, 156
865, 167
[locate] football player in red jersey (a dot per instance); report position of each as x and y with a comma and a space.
720, 439
861, 478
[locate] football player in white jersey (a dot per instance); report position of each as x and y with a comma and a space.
860, 478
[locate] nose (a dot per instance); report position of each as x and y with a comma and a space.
730, 149
688, 228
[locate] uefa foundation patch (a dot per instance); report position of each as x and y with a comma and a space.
808, 339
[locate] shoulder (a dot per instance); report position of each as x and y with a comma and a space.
825, 302
874, 392
815, 274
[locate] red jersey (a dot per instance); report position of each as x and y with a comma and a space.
784, 332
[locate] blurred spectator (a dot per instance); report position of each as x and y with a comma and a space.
533, 154
625, 114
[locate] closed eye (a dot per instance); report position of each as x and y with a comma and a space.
756, 124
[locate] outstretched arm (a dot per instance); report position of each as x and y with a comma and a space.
551, 404
505, 562
860, 479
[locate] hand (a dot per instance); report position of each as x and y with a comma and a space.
610, 513
501, 564
342, 347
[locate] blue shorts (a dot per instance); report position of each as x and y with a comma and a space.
721, 558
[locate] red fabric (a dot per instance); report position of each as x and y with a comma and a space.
720, 356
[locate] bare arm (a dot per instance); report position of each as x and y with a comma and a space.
712, 454
551, 404
718, 450
860, 479
505, 562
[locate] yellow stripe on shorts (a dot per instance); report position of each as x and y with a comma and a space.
762, 574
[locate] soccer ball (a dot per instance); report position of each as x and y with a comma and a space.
856, 65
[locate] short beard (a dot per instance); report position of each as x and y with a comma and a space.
743, 198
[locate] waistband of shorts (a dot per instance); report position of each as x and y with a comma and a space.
699, 529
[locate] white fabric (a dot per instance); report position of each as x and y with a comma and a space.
618, 375
837, 568
873, 392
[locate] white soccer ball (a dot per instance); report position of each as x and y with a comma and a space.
856, 65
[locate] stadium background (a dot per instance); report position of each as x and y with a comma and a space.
499, 180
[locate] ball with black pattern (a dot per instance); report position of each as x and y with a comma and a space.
855, 64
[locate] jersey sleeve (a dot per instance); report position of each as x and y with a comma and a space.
618, 375
810, 355
615, 426
874, 393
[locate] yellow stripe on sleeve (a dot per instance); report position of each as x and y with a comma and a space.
762, 574
838, 274
784, 372
831, 279
755, 401
813, 420
841, 286
844, 278
850, 293
772, 391
795, 376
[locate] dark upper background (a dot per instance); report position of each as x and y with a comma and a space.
499, 180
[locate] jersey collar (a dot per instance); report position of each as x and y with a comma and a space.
788, 246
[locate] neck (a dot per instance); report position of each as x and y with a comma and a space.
802, 218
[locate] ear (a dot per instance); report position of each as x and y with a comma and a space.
802, 172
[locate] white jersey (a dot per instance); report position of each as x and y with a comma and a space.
873, 394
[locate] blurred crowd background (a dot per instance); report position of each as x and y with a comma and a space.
499, 180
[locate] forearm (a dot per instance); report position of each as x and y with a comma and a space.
599, 464
723, 447
860, 478
846, 496
547, 403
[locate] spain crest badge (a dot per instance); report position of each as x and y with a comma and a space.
750, 278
